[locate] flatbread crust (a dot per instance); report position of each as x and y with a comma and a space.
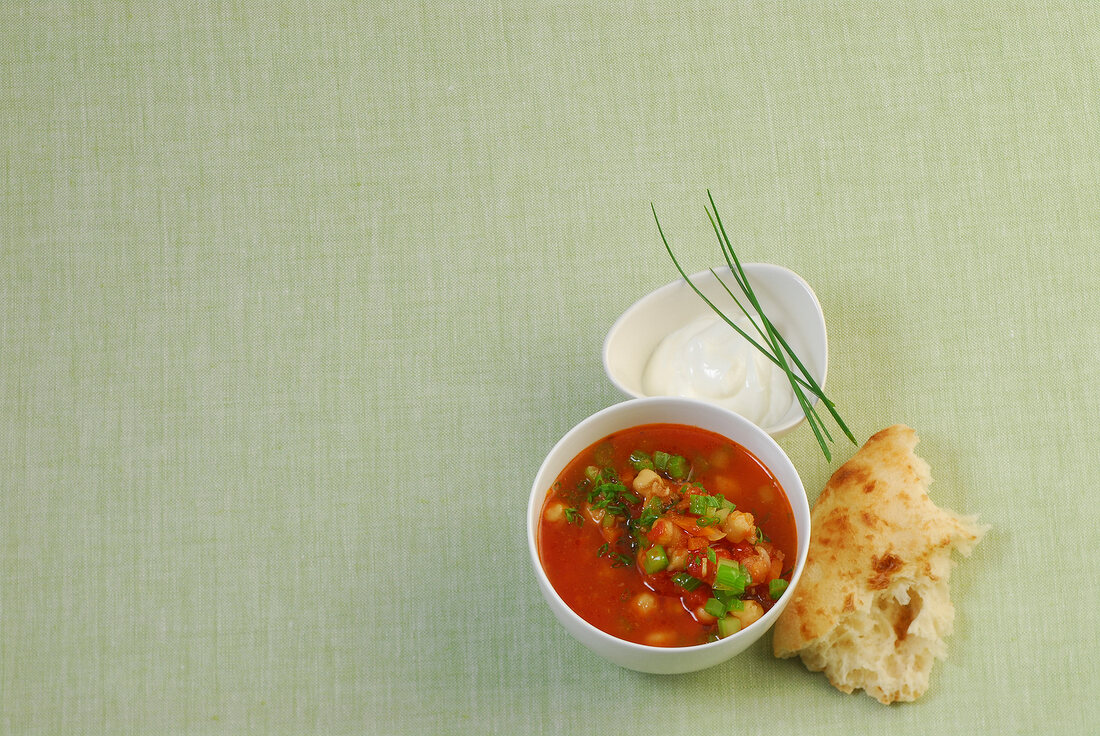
873, 608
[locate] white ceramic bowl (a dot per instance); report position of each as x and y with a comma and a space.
785, 297
670, 660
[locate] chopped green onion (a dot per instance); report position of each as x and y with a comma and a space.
660, 460
655, 559
732, 601
701, 504
687, 582
776, 588
678, 467
728, 625
711, 556
592, 472
731, 576
715, 607
703, 521
641, 460
573, 516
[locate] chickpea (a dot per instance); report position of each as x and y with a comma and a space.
749, 614
555, 512
720, 458
645, 603
776, 570
677, 559
664, 532
758, 565
703, 617
661, 638
739, 526
649, 484
727, 485
766, 494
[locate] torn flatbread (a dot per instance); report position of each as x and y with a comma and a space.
873, 609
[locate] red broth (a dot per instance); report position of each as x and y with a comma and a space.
668, 563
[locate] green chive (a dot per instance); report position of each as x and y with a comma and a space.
776, 588
777, 349
660, 460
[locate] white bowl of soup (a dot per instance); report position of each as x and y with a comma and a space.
667, 534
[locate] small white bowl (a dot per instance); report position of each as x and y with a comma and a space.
666, 660
785, 297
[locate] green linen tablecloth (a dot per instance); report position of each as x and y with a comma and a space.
295, 298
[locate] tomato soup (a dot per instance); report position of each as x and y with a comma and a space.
667, 535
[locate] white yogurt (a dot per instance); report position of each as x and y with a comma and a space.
707, 359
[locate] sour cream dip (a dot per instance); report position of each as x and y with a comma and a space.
707, 359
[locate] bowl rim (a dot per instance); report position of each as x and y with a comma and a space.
540, 488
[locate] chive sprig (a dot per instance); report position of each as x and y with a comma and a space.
775, 348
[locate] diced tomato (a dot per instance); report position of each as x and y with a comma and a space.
689, 525
700, 567
694, 598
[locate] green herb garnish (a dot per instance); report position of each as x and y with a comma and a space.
573, 516
777, 350
686, 581
610, 496
699, 504
650, 513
